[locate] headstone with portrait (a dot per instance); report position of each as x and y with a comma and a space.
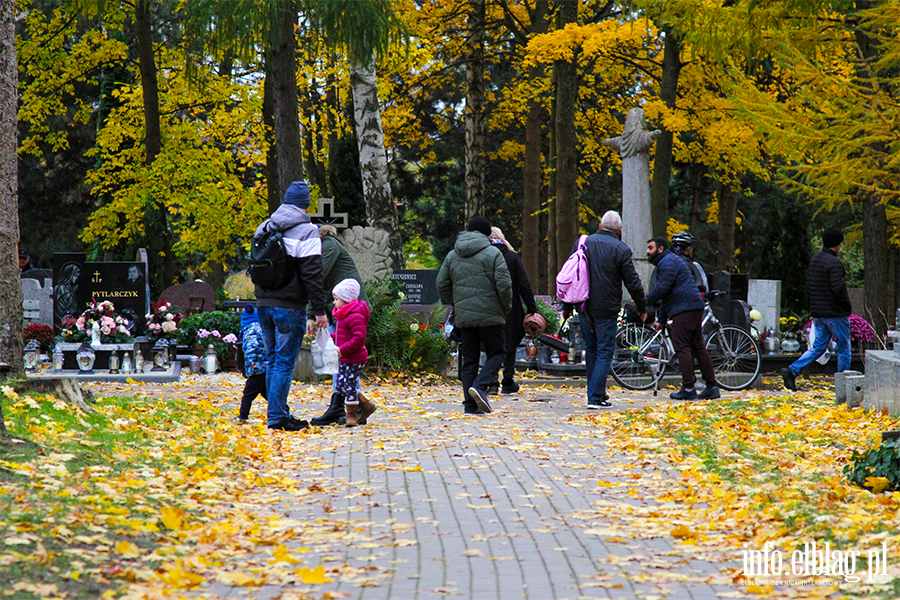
78, 282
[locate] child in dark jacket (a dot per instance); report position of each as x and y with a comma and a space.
352, 316
254, 360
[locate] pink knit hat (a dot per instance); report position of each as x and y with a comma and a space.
347, 290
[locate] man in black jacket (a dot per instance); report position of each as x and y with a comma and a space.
829, 304
610, 265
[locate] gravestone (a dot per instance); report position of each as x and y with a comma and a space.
193, 297
37, 301
731, 308
370, 249
765, 296
634, 148
881, 388
77, 283
420, 286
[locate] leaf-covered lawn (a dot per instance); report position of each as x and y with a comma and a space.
768, 468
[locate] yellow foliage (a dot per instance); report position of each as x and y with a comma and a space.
673, 227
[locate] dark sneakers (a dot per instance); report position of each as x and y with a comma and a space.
493, 389
289, 424
684, 394
790, 380
480, 399
710, 393
605, 403
510, 388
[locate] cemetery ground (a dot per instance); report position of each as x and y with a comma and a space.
158, 493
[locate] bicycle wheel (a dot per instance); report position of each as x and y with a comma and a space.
735, 357
639, 358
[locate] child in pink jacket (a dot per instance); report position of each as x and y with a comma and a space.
352, 316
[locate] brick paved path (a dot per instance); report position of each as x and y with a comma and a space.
426, 502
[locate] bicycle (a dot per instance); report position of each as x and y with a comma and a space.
643, 354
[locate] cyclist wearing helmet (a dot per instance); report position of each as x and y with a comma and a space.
683, 246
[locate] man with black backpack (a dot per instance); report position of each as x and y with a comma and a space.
281, 307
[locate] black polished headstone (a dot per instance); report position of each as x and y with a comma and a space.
68, 282
78, 283
420, 286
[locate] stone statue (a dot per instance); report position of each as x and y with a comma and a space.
634, 147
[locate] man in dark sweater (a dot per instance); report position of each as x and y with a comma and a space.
681, 301
610, 267
829, 305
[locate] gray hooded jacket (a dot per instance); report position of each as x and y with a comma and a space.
301, 240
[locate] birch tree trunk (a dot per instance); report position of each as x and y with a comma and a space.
474, 115
380, 209
11, 345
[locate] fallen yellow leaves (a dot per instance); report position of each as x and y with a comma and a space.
311, 576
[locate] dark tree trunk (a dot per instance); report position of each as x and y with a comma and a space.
727, 218
273, 195
533, 172
152, 138
876, 239
876, 253
566, 145
662, 163
331, 100
696, 196
284, 85
11, 346
551, 192
474, 115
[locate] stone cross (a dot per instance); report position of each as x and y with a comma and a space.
634, 147
325, 215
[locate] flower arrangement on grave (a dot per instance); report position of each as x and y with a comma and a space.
861, 331
113, 327
42, 334
791, 324
219, 328
162, 321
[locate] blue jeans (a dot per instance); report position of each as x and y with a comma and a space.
282, 330
826, 329
599, 345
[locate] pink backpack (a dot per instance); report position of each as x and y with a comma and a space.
573, 282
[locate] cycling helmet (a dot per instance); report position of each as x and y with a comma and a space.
682, 241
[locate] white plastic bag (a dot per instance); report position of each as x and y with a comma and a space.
324, 354
832, 346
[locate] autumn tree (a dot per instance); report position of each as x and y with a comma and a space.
365, 30
11, 345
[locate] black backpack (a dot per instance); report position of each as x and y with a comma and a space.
269, 264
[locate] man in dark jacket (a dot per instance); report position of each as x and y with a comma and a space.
681, 301
475, 281
515, 327
610, 265
281, 311
829, 305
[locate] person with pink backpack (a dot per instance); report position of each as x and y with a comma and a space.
608, 264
